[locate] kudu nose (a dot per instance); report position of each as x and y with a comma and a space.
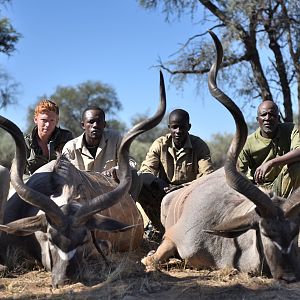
59, 282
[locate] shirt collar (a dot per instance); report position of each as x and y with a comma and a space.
264, 140
80, 144
34, 134
187, 144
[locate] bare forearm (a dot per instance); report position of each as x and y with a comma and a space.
286, 159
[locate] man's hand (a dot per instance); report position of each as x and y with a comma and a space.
261, 171
111, 173
172, 188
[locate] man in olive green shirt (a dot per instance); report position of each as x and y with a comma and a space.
271, 155
172, 161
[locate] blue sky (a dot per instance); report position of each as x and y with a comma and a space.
67, 42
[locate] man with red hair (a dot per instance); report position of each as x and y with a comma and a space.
45, 139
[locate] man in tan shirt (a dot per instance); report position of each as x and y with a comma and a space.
172, 161
97, 148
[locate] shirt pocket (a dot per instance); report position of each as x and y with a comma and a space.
187, 171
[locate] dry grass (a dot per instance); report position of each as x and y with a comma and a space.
126, 278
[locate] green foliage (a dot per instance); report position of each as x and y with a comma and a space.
141, 145
73, 100
218, 146
7, 149
252, 126
8, 37
138, 150
9, 89
154, 133
8, 40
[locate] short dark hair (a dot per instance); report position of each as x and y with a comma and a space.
180, 112
93, 107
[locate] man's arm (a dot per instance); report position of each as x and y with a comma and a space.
205, 165
243, 162
288, 158
66, 149
152, 160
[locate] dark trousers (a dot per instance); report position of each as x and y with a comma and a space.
136, 185
150, 197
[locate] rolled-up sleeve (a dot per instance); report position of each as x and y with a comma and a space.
205, 166
152, 160
295, 139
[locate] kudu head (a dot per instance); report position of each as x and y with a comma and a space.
68, 228
275, 220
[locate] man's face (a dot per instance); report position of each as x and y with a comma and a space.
46, 123
268, 119
179, 129
93, 125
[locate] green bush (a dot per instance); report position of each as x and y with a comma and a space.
7, 149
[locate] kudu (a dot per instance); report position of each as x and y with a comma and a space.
223, 220
56, 236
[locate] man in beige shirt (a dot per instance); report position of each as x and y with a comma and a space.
173, 160
97, 148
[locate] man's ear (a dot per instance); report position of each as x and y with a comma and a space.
35, 120
82, 125
104, 124
189, 127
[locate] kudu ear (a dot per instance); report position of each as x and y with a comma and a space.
26, 226
104, 223
235, 226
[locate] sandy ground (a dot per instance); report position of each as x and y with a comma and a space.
126, 278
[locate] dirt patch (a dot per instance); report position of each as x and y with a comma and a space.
126, 278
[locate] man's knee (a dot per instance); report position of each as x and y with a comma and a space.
136, 185
288, 180
152, 189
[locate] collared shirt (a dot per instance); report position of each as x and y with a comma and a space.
258, 150
178, 166
35, 157
106, 155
